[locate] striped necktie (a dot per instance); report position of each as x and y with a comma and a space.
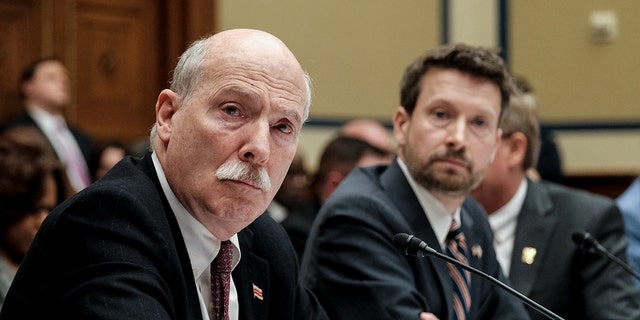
457, 249
221, 281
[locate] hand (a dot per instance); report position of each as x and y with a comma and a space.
428, 316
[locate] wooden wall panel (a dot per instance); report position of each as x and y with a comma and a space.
19, 44
117, 76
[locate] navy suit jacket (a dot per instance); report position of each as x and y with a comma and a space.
115, 251
571, 282
356, 272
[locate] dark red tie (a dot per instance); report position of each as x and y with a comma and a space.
221, 281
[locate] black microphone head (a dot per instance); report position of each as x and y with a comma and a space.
409, 244
585, 241
578, 237
401, 241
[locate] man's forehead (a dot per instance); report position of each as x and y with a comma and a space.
49, 67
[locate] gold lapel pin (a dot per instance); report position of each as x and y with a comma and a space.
529, 255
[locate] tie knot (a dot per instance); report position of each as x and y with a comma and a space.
455, 232
222, 262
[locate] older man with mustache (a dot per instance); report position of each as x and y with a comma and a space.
157, 237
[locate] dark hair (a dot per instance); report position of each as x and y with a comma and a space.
27, 160
342, 154
30, 70
477, 61
96, 154
522, 84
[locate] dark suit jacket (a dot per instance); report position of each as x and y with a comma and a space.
570, 282
85, 142
115, 251
298, 224
356, 272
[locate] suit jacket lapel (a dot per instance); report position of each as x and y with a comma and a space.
252, 272
470, 237
475, 251
536, 222
396, 185
192, 303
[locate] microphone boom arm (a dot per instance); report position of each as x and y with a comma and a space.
620, 263
586, 241
501, 284
413, 246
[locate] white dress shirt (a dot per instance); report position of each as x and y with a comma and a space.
503, 223
202, 247
49, 123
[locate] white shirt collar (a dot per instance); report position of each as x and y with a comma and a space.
439, 218
202, 246
504, 222
45, 120
62, 142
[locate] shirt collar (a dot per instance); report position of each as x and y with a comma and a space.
202, 245
46, 121
437, 215
503, 221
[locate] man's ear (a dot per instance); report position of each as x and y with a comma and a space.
26, 88
517, 148
400, 123
166, 107
331, 182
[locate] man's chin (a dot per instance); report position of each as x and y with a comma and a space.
450, 185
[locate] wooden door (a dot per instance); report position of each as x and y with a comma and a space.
119, 54
117, 69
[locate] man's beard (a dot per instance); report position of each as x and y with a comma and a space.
447, 181
243, 171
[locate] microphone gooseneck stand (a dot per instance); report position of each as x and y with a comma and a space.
413, 246
586, 241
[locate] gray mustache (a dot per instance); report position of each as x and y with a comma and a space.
244, 172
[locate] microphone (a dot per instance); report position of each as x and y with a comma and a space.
413, 246
586, 241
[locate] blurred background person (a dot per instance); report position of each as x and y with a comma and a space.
104, 156
297, 192
370, 131
32, 183
294, 192
629, 204
339, 157
533, 223
44, 87
138, 148
549, 164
